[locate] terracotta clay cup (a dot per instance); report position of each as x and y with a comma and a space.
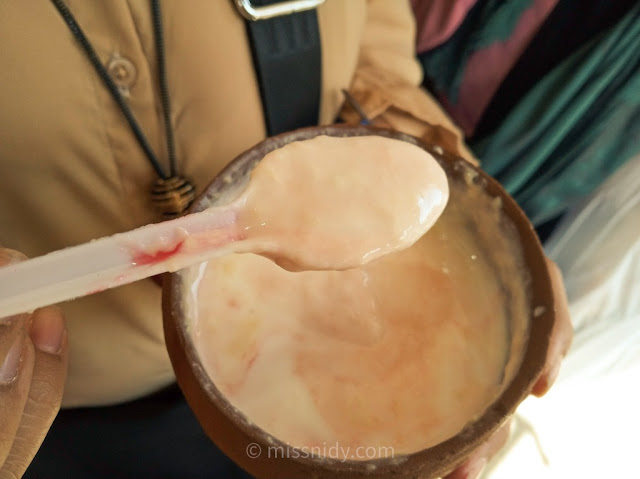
242, 441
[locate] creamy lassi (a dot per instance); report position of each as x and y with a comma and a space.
335, 203
400, 353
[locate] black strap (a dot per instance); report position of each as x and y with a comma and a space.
287, 57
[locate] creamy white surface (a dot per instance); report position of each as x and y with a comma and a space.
335, 203
401, 353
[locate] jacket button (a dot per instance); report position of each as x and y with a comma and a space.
122, 71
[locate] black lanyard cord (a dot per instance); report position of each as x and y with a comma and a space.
115, 92
164, 88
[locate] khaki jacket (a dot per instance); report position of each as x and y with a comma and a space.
71, 169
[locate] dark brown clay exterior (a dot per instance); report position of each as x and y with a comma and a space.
237, 438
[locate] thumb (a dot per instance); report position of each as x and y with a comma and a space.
49, 337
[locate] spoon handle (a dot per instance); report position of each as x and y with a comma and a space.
116, 260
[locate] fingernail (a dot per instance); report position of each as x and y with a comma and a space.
476, 468
10, 256
47, 330
11, 363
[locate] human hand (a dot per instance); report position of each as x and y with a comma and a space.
560, 341
33, 368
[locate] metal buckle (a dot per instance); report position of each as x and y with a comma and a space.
254, 14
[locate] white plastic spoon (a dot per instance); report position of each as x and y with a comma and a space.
325, 203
